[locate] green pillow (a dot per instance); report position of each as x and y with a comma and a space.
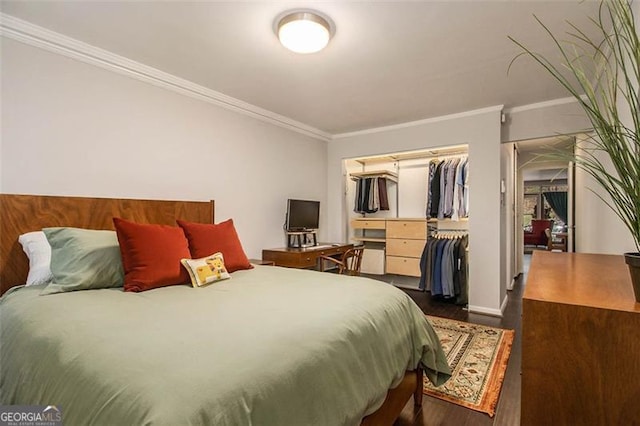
83, 259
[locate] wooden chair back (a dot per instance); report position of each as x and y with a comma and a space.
352, 261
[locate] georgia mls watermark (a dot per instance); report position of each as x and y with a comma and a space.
30, 415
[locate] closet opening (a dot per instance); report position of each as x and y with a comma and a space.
410, 210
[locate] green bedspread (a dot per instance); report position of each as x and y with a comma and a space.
271, 346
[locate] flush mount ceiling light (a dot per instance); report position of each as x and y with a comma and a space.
304, 31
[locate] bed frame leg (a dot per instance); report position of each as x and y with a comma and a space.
417, 394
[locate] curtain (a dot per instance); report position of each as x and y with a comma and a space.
558, 203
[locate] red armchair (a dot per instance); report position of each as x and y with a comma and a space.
537, 236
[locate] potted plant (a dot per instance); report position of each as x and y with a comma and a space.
602, 73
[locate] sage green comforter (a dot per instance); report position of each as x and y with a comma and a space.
271, 346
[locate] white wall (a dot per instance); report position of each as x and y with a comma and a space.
413, 176
542, 120
481, 131
598, 229
69, 128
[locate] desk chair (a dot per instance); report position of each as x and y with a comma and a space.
348, 264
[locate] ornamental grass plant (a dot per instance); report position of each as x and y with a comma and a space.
602, 73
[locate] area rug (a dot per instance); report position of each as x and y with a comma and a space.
478, 357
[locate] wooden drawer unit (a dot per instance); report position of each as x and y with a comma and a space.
368, 223
405, 243
405, 248
403, 266
408, 229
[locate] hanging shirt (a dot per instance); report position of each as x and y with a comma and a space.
458, 190
382, 193
462, 276
433, 164
465, 196
443, 180
435, 190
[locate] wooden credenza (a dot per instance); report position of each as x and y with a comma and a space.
303, 258
580, 342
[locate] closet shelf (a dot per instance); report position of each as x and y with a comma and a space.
375, 173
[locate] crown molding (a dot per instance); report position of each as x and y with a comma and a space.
37, 36
496, 108
539, 105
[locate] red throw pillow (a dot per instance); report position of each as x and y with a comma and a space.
151, 255
206, 239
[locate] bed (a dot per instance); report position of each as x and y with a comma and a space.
270, 346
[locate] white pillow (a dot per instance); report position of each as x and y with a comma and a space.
38, 250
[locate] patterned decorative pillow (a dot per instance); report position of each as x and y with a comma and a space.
206, 270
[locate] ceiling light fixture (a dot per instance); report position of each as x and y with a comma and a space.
304, 31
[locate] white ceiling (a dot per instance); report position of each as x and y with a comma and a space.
388, 63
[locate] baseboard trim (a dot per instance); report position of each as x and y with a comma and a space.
512, 283
486, 311
503, 306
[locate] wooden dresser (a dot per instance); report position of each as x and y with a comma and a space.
580, 342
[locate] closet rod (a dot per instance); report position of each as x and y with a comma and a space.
430, 154
447, 156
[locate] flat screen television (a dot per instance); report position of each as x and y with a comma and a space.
302, 215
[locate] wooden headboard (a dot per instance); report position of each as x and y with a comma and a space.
25, 213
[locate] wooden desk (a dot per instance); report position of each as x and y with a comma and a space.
262, 262
580, 342
303, 258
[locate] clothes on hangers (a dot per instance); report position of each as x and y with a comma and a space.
443, 267
371, 195
448, 188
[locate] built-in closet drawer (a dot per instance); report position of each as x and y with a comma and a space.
405, 248
409, 266
407, 229
368, 224
405, 240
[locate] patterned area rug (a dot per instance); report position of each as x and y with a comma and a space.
478, 357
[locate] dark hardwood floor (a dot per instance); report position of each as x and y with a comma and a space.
437, 412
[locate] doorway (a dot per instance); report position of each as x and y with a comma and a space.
544, 195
